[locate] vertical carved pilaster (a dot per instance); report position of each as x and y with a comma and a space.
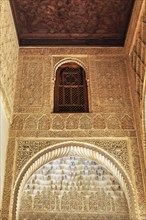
8, 182
139, 184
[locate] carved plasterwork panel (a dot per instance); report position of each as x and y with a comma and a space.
44, 123
33, 84
85, 122
138, 178
8, 57
138, 75
138, 55
29, 148
58, 123
8, 178
30, 123
72, 185
72, 122
119, 149
31, 87
109, 86
99, 51
107, 81
113, 123
17, 123
99, 122
75, 121
81, 149
127, 122
77, 217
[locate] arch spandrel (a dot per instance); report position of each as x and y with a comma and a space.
80, 149
29, 148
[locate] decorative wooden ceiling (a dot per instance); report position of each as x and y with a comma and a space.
72, 22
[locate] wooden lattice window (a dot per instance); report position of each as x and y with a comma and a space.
70, 89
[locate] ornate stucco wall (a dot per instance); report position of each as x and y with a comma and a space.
137, 67
112, 133
8, 57
8, 70
138, 55
108, 91
108, 127
73, 188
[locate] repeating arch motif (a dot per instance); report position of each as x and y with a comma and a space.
80, 149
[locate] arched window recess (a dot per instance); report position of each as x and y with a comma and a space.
70, 91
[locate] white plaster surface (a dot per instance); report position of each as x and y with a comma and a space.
4, 129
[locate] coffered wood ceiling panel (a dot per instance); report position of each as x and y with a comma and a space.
72, 22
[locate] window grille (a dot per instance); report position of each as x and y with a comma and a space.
70, 89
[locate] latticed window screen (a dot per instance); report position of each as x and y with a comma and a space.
70, 89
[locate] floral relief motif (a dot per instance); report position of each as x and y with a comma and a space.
127, 122
72, 122
99, 122
31, 86
58, 123
113, 123
31, 123
92, 122
17, 123
85, 122
28, 148
118, 149
44, 123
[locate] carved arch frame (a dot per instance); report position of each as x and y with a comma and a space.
81, 63
69, 60
80, 149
